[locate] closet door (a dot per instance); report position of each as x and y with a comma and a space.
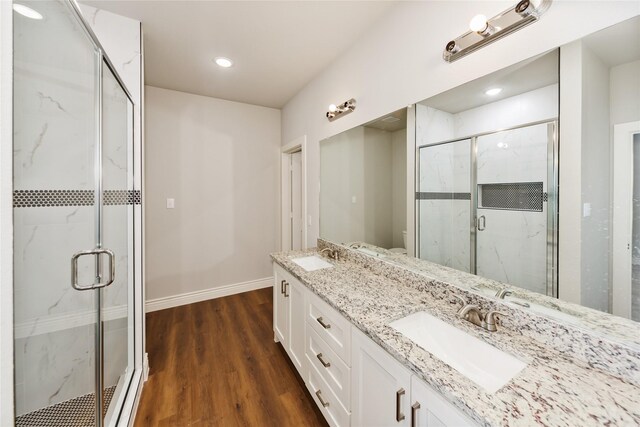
512, 199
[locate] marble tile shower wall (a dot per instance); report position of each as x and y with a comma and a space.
514, 156
608, 344
54, 150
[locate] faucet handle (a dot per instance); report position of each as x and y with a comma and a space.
491, 321
460, 299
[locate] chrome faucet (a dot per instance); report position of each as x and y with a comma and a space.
472, 313
331, 253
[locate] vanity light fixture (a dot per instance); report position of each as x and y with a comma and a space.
27, 11
336, 111
483, 31
493, 91
223, 62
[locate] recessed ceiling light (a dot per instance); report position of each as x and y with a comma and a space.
493, 91
26, 11
223, 62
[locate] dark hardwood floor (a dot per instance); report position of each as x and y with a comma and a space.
215, 363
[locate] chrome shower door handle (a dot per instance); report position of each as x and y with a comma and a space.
95, 252
482, 223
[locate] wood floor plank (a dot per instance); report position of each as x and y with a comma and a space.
215, 363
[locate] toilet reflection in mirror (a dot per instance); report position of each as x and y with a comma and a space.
527, 178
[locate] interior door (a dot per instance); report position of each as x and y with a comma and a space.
511, 237
296, 200
625, 248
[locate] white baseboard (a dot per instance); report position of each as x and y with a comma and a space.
207, 294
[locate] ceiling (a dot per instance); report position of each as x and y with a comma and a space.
617, 44
390, 122
277, 46
519, 78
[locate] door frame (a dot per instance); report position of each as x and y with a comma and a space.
622, 217
298, 144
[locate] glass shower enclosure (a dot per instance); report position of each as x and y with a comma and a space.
487, 205
73, 223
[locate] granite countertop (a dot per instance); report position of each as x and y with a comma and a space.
553, 390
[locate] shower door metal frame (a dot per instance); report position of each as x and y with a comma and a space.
102, 59
552, 196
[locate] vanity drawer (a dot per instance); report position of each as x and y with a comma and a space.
329, 404
334, 329
333, 370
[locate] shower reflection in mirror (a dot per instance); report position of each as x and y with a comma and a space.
485, 199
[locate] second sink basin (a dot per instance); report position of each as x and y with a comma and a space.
312, 263
482, 363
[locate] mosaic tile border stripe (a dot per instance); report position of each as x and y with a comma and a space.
78, 412
442, 196
59, 198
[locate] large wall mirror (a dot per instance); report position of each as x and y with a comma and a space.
528, 177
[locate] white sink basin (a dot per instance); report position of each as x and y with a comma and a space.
312, 263
482, 363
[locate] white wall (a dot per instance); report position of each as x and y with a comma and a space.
399, 62
595, 185
219, 160
357, 182
625, 87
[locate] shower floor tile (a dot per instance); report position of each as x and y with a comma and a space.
78, 412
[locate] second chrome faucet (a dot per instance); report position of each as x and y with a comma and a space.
473, 314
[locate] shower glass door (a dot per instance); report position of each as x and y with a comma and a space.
73, 182
511, 238
487, 205
116, 235
444, 204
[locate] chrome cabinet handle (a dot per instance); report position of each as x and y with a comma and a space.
482, 219
399, 414
74, 269
414, 413
286, 289
282, 282
321, 359
324, 325
322, 401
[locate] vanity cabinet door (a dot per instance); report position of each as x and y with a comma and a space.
296, 345
430, 409
280, 307
380, 386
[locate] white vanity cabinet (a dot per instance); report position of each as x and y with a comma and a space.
430, 409
289, 299
380, 385
353, 380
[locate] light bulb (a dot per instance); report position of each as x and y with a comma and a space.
223, 62
493, 91
333, 108
478, 23
26, 11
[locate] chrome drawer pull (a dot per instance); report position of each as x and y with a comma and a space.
399, 415
321, 359
324, 404
324, 325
